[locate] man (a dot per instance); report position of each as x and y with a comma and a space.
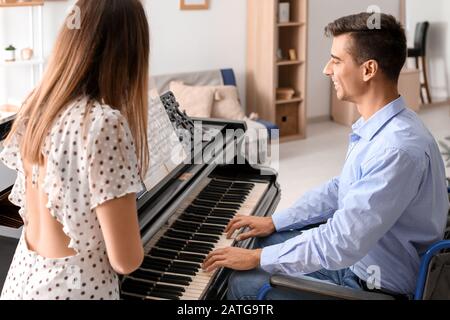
387, 207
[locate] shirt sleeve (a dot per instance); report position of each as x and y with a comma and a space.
113, 166
374, 203
313, 207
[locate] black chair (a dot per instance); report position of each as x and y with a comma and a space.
419, 53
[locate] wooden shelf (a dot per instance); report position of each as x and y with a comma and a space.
290, 24
289, 62
23, 4
31, 62
293, 100
266, 36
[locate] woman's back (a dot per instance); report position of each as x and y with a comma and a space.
90, 160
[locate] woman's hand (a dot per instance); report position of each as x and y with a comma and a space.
233, 258
259, 227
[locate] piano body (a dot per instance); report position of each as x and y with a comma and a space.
181, 220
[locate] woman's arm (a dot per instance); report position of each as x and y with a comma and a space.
119, 223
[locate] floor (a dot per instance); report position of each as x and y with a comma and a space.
309, 163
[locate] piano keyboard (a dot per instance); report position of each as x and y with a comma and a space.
172, 264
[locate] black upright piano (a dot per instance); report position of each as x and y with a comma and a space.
182, 219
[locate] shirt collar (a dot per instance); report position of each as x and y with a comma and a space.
368, 129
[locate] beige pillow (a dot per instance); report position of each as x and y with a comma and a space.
226, 104
196, 101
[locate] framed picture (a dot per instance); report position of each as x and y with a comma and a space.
194, 4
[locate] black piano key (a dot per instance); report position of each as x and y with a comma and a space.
208, 204
212, 227
190, 243
126, 296
147, 275
224, 184
156, 260
165, 245
164, 295
166, 239
243, 185
209, 232
193, 217
195, 209
217, 220
224, 205
197, 250
169, 288
163, 253
178, 235
216, 189
154, 267
187, 224
238, 199
191, 257
177, 277
184, 255
194, 266
205, 219
196, 237
138, 287
184, 271
178, 227
224, 211
160, 277
209, 196
145, 288
206, 238
191, 224
224, 215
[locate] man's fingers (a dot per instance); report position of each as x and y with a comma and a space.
215, 253
207, 264
246, 235
216, 265
233, 221
236, 226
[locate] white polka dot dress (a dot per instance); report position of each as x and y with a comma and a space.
90, 159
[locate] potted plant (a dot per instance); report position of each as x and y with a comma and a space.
10, 53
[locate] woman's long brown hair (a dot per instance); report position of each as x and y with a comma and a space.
107, 59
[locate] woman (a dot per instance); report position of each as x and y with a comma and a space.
79, 147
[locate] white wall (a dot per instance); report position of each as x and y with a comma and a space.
321, 12
14, 29
215, 38
437, 12
182, 41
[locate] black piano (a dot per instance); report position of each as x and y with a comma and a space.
182, 219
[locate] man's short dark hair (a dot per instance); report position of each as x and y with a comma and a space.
387, 44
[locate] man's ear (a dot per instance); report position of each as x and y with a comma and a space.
370, 69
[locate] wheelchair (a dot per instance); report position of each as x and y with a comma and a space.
433, 282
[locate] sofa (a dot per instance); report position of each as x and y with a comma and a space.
218, 77
259, 132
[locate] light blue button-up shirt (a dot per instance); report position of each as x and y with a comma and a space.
387, 207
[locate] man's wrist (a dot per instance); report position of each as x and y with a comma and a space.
257, 256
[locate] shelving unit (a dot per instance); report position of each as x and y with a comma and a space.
35, 41
266, 73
